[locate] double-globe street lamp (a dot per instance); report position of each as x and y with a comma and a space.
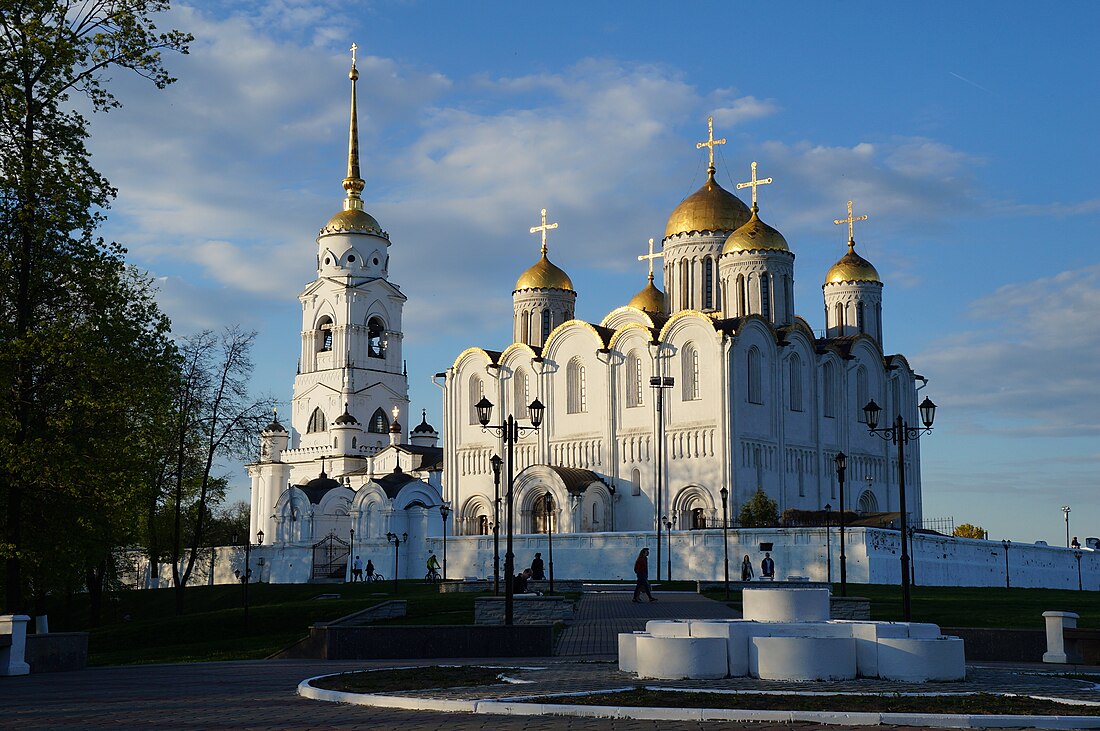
509, 430
246, 576
396, 540
841, 464
900, 433
496, 462
659, 384
445, 512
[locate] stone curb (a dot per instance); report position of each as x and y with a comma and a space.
515, 708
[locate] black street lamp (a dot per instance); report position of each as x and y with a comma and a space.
900, 433
246, 577
1007, 545
445, 512
549, 511
1066, 511
1077, 555
828, 542
659, 384
496, 462
509, 431
396, 540
668, 537
841, 463
725, 537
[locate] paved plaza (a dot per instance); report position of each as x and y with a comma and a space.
262, 694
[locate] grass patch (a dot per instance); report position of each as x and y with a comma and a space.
978, 704
424, 678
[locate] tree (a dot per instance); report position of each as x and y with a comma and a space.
966, 530
62, 290
759, 512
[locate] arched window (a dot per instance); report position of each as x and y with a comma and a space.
545, 326
482, 525
354, 442
540, 515
788, 294
685, 284
376, 338
522, 393
635, 482
317, 422
576, 388
708, 283
859, 317
753, 377
698, 519
861, 392
379, 422
839, 318
765, 296
742, 295
324, 334
525, 326
477, 390
690, 367
867, 502
633, 380
828, 388
796, 382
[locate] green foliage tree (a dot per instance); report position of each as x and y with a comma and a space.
82, 345
759, 512
966, 530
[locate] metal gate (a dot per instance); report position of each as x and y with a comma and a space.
330, 558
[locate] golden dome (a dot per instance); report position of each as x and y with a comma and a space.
852, 268
650, 299
711, 208
755, 236
353, 220
544, 275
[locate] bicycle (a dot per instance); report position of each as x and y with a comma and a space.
432, 577
375, 577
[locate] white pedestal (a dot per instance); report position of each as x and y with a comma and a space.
11, 657
1057, 649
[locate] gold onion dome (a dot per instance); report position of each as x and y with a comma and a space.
353, 220
755, 235
852, 268
650, 299
544, 275
711, 208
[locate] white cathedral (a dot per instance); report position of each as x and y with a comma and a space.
751, 397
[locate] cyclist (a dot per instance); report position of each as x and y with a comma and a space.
370, 571
433, 568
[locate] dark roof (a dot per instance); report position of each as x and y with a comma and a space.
424, 427
318, 487
275, 426
576, 480
394, 481
345, 418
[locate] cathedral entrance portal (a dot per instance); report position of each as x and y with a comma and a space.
330, 558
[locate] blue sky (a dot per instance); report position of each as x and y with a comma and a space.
966, 131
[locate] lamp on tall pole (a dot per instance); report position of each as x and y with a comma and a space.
549, 511
725, 537
841, 461
245, 577
1077, 555
509, 430
496, 462
445, 512
668, 534
396, 540
900, 433
1066, 512
1007, 545
828, 542
659, 384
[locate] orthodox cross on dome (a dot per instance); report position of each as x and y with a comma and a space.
711, 142
354, 48
850, 220
651, 256
754, 183
543, 228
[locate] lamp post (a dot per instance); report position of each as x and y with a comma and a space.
725, 537
549, 511
668, 537
1007, 545
1066, 512
841, 461
509, 430
396, 540
1077, 555
246, 576
496, 461
900, 433
445, 512
659, 384
828, 542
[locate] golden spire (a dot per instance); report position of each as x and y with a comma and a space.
710, 143
851, 230
753, 183
353, 184
543, 228
651, 256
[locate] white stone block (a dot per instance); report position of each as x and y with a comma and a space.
676, 658
867, 636
736, 633
802, 658
668, 627
785, 605
12, 657
923, 630
921, 660
628, 651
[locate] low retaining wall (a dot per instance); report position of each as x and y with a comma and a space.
526, 609
328, 642
57, 652
1009, 645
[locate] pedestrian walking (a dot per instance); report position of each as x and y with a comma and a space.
641, 570
538, 569
357, 569
746, 568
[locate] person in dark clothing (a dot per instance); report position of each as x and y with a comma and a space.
370, 570
641, 570
538, 571
767, 567
746, 568
519, 583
